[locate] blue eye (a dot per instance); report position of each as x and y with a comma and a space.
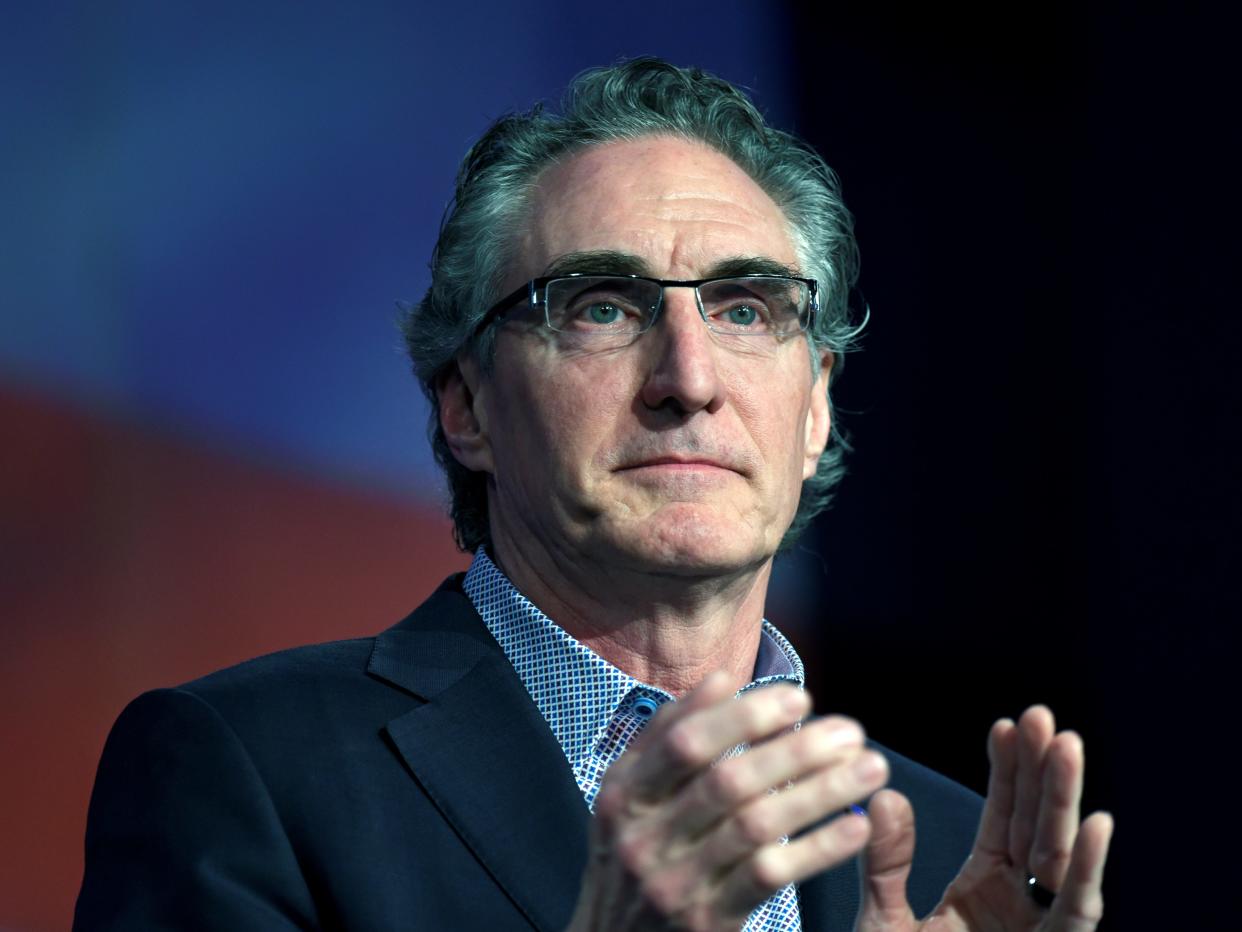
741, 316
603, 313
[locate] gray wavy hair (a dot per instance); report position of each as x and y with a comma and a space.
641, 97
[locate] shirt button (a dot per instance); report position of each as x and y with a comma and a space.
645, 707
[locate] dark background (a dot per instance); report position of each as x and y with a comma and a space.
215, 449
1043, 501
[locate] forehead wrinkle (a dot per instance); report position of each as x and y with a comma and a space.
710, 205
655, 212
710, 198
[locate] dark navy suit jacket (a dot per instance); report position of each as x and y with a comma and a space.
405, 781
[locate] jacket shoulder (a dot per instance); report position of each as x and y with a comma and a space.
333, 664
285, 668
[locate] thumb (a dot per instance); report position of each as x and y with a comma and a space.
886, 865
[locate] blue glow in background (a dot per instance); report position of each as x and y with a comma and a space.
211, 215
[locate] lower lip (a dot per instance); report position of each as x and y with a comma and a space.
705, 469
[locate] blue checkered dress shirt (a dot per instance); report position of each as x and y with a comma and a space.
594, 709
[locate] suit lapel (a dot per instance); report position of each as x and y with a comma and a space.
480, 749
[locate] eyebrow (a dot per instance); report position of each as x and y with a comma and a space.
605, 261
741, 266
613, 262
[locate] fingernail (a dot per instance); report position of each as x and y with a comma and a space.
853, 828
868, 766
841, 733
795, 701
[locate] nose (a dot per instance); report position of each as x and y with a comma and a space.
683, 372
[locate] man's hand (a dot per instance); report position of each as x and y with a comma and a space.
681, 841
1030, 827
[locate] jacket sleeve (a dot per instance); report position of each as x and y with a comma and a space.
182, 832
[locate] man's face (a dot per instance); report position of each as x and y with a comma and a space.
677, 453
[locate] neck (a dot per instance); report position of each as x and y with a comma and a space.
666, 630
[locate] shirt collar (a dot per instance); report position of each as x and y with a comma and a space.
577, 691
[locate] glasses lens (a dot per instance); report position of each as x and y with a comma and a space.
594, 307
755, 306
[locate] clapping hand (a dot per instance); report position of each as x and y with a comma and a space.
1030, 829
684, 840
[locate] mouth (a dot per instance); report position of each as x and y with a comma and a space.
672, 465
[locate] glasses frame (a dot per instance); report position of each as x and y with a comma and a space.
531, 291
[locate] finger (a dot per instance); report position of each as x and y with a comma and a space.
1035, 730
616, 796
715, 688
696, 740
773, 866
886, 863
1057, 824
993, 836
1080, 904
720, 790
772, 816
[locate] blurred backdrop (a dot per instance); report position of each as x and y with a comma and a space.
213, 446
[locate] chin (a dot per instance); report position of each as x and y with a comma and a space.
685, 540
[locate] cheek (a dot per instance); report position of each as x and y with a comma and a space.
556, 421
774, 408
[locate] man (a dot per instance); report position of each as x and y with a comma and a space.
635, 312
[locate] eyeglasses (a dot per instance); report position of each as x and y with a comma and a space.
612, 310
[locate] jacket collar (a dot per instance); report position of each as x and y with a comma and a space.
480, 749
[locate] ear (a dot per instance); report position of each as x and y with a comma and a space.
818, 417
461, 392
